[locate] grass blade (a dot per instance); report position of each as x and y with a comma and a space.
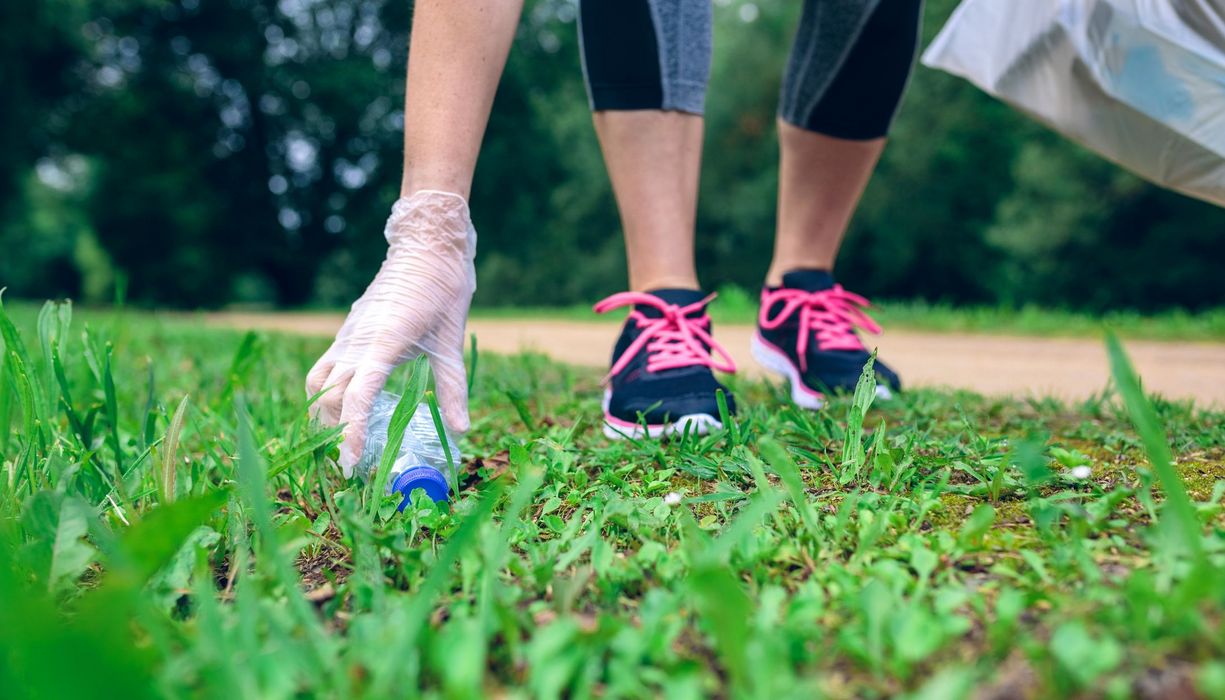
1178, 504
111, 402
729, 421
473, 356
853, 455
245, 359
74, 420
443, 438
170, 450
418, 381
789, 474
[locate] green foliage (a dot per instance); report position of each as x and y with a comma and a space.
56, 524
219, 551
246, 152
1082, 657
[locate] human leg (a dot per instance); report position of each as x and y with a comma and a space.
646, 63
653, 158
832, 128
834, 114
820, 181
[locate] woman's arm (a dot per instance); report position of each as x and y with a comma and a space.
418, 302
456, 56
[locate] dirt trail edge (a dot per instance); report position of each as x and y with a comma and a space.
1066, 368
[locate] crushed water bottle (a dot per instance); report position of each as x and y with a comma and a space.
422, 462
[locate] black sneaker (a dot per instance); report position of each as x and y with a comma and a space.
661, 368
806, 332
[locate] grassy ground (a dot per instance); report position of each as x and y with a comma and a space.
172, 524
734, 305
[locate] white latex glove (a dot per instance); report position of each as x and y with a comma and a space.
417, 304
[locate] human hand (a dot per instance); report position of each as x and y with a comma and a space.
416, 305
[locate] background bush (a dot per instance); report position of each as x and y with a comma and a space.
247, 151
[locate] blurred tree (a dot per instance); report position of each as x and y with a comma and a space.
40, 45
1076, 230
243, 139
247, 151
54, 252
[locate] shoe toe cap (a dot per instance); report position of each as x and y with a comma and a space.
658, 411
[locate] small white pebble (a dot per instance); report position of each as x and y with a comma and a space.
672, 499
1081, 472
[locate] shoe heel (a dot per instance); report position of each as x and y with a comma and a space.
774, 361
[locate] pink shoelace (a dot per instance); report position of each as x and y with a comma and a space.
673, 340
832, 314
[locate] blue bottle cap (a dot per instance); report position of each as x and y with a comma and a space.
428, 478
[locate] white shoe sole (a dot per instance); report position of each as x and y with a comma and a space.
775, 360
693, 424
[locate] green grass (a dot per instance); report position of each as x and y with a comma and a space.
734, 305
171, 524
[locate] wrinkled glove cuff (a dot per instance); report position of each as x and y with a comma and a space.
440, 220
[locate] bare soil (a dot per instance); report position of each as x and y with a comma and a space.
994, 365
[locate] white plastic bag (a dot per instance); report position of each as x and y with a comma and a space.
1141, 82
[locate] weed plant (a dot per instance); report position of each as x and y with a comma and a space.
173, 524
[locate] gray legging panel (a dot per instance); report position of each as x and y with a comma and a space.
848, 67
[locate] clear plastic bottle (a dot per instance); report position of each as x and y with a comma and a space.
422, 462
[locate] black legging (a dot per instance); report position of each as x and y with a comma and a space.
849, 63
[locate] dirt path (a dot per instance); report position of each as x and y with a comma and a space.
1068, 368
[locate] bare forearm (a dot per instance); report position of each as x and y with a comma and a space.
457, 53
